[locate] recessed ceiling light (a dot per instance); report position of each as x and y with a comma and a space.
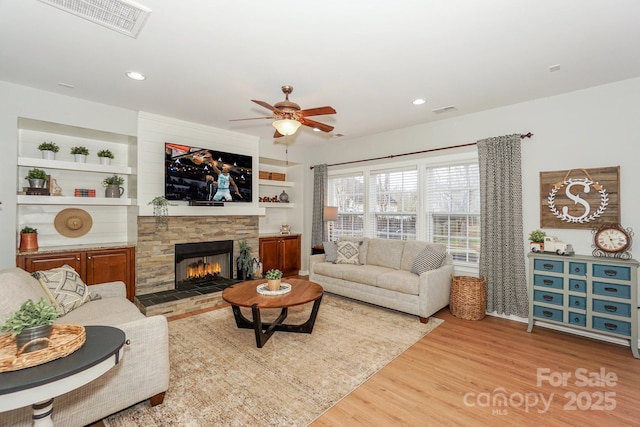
67, 85
554, 68
135, 75
419, 101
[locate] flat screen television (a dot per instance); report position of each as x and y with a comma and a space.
202, 175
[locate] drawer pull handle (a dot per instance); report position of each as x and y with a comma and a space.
611, 289
547, 282
547, 297
576, 285
547, 313
611, 308
548, 266
577, 269
611, 272
576, 320
611, 326
577, 303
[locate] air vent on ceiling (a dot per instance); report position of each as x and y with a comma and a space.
123, 16
444, 109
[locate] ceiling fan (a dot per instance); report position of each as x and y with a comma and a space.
288, 115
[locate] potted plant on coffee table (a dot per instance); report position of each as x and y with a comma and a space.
49, 150
274, 279
31, 322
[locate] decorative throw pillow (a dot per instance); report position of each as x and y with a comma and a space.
426, 260
66, 287
330, 251
348, 253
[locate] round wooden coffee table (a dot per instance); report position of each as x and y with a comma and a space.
244, 294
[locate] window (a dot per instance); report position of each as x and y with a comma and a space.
347, 193
393, 199
452, 195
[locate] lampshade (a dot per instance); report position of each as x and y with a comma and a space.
286, 126
330, 213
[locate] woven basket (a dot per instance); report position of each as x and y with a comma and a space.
468, 297
64, 340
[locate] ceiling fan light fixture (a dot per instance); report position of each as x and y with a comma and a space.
286, 126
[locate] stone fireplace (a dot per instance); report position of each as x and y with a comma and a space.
156, 249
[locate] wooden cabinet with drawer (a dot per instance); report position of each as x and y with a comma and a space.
598, 295
282, 253
94, 266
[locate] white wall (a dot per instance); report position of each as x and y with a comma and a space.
595, 127
19, 101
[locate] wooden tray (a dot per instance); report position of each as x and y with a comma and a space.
64, 340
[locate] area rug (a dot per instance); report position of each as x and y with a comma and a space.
220, 378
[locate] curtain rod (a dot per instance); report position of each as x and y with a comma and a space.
523, 136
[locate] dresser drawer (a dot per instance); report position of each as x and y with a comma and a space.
578, 268
577, 285
548, 297
614, 326
612, 290
548, 265
577, 302
548, 281
577, 319
610, 307
547, 313
611, 272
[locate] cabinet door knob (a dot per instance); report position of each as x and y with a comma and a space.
77, 259
88, 257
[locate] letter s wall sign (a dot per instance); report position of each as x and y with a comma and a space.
580, 198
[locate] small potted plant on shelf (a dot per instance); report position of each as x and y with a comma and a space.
244, 263
36, 178
31, 322
113, 186
49, 150
105, 157
274, 278
537, 237
80, 153
28, 239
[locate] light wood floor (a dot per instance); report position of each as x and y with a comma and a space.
457, 374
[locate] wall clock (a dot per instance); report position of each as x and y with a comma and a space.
612, 240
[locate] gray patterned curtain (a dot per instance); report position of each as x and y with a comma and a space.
502, 249
319, 200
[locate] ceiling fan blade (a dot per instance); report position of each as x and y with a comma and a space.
267, 106
313, 124
253, 118
319, 111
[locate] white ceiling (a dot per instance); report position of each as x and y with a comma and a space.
205, 60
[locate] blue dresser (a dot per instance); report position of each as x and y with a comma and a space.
598, 295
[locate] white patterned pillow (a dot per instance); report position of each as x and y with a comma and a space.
348, 253
426, 260
65, 286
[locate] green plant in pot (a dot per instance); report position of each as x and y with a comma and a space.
105, 157
28, 239
160, 211
112, 184
274, 278
30, 323
49, 150
537, 236
80, 150
244, 263
36, 178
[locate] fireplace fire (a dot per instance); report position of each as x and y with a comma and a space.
204, 264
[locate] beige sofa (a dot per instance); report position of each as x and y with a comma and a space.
383, 276
143, 371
